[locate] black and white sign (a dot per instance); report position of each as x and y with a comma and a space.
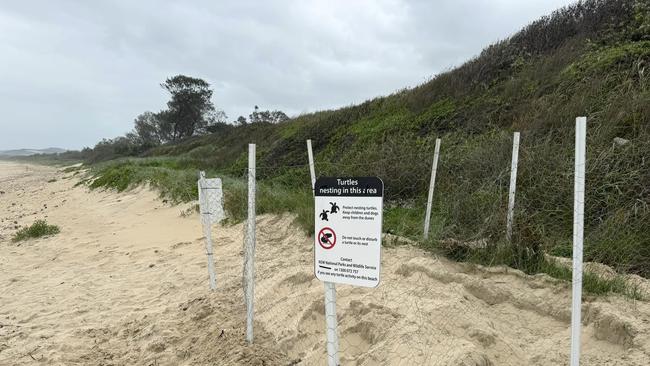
347, 246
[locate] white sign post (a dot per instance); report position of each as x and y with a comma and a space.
578, 236
249, 255
211, 209
330, 290
432, 184
513, 186
348, 214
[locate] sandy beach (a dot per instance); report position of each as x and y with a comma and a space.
125, 283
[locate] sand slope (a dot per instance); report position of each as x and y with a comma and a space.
125, 283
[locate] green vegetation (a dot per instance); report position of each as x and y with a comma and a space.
38, 229
72, 169
177, 184
532, 262
586, 59
594, 284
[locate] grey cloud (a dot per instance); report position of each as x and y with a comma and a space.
72, 72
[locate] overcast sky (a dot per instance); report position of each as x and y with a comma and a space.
73, 72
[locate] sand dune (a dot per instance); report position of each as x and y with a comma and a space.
125, 283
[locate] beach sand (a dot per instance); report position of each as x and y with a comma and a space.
125, 283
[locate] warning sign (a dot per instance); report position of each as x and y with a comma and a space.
348, 217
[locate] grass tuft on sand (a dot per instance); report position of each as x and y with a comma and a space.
38, 229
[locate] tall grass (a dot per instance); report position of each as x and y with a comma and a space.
400, 218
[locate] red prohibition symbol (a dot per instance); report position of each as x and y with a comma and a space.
326, 238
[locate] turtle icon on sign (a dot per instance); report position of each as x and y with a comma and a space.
326, 238
323, 215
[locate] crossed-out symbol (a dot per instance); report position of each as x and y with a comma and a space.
327, 238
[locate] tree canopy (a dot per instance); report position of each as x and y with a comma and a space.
267, 116
189, 112
190, 109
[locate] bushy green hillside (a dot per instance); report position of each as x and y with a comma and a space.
590, 59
